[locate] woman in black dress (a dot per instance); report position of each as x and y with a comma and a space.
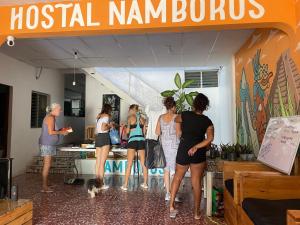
197, 133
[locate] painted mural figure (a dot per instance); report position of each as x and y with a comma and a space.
262, 78
247, 135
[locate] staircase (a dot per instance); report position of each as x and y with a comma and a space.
133, 86
62, 163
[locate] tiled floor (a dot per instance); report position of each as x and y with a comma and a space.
72, 205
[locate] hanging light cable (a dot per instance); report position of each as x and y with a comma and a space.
74, 74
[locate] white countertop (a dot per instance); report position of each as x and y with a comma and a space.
78, 149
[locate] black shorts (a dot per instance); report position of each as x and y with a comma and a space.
136, 145
183, 157
102, 139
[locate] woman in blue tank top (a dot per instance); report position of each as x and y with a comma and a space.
48, 141
136, 130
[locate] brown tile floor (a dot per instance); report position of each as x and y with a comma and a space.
72, 205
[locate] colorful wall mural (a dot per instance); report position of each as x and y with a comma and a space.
267, 82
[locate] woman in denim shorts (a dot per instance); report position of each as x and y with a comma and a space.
49, 140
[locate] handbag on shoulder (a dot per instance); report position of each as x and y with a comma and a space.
114, 136
155, 157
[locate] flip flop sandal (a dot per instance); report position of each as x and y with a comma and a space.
47, 191
197, 217
173, 213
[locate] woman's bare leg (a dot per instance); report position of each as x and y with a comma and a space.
45, 173
179, 175
103, 157
197, 171
98, 158
145, 169
130, 158
167, 180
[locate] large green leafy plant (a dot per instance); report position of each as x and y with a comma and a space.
184, 101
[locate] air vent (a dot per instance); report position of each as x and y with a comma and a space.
203, 79
193, 75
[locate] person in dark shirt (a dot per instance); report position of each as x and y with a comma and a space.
197, 133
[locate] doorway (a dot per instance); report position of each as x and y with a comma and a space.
5, 92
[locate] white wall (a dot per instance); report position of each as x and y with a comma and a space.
227, 103
24, 140
94, 99
221, 109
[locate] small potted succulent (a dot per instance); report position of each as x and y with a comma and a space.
237, 149
224, 151
213, 151
250, 155
232, 152
244, 152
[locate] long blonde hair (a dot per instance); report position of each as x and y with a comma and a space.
134, 107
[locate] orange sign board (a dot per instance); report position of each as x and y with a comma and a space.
125, 16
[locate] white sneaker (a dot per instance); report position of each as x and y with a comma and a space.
104, 187
177, 199
123, 188
144, 186
168, 196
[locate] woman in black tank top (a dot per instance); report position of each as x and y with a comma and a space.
197, 133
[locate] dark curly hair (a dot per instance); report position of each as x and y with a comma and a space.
169, 103
201, 103
106, 109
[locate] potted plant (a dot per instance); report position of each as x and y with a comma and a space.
244, 152
237, 149
213, 151
224, 151
184, 101
232, 152
250, 154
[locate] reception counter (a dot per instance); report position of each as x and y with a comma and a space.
115, 165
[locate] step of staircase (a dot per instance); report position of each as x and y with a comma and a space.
62, 163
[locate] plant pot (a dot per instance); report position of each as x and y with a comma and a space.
244, 157
232, 156
250, 157
213, 154
223, 155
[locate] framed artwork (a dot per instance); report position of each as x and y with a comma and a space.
115, 102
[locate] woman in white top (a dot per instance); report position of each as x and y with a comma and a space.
102, 143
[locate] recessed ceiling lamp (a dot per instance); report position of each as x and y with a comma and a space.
74, 77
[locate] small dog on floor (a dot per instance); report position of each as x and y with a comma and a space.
94, 186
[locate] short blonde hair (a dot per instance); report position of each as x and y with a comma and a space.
50, 108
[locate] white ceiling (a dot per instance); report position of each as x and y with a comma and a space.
194, 49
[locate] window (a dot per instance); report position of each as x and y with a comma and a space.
39, 103
74, 103
203, 79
